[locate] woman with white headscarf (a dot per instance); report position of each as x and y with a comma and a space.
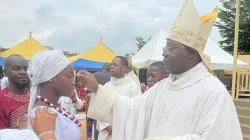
52, 76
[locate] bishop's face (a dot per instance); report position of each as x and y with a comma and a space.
175, 57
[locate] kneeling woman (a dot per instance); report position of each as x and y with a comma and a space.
52, 76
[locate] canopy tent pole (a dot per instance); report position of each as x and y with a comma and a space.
236, 41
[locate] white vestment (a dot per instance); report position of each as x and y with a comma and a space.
124, 87
134, 77
67, 104
195, 107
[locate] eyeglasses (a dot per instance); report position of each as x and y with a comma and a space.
169, 48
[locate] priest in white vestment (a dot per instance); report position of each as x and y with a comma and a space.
191, 104
131, 73
121, 84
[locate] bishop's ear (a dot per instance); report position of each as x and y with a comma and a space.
192, 53
124, 68
166, 75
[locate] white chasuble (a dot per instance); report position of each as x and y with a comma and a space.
124, 87
195, 107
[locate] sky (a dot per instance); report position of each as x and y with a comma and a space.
77, 25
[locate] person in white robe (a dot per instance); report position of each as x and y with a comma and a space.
52, 76
191, 104
71, 104
121, 84
4, 81
131, 73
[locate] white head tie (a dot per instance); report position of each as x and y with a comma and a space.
43, 67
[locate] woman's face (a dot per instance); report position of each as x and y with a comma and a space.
64, 81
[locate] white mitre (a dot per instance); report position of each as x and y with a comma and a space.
192, 30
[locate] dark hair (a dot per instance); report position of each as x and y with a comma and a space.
160, 65
106, 67
123, 60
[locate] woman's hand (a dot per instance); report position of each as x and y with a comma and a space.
45, 120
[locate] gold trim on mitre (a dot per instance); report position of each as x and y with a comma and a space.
192, 30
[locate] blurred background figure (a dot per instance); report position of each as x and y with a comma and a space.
156, 72
131, 73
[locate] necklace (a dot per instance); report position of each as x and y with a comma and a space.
61, 110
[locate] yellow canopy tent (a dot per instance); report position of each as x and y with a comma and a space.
27, 49
99, 52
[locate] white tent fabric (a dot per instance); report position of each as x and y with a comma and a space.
152, 52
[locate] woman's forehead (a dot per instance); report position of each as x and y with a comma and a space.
68, 69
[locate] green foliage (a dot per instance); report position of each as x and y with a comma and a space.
141, 42
227, 25
69, 54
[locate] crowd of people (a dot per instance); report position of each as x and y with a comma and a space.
47, 83
181, 99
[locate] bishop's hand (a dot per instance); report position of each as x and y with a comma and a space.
109, 129
88, 80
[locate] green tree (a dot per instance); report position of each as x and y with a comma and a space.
129, 54
69, 54
140, 42
226, 25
